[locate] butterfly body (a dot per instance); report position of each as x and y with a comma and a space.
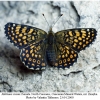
50, 37
39, 49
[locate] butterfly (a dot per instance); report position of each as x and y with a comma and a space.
39, 49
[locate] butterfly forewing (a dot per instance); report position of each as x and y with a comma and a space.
77, 39
23, 35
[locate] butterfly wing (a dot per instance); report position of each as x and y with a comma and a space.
65, 56
23, 35
33, 56
31, 42
69, 43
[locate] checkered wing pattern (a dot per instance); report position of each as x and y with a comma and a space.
23, 35
76, 39
30, 41
69, 43
33, 44
33, 56
65, 56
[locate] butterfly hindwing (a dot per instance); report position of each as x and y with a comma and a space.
23, 35
65, 56
77, 39
33, 56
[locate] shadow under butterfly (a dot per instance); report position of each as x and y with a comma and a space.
58, 49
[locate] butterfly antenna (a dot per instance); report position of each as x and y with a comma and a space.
45, 19
57, 20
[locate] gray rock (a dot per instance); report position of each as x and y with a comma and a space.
83, 76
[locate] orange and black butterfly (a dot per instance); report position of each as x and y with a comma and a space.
58, 49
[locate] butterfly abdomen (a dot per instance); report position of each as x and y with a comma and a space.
50, 54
